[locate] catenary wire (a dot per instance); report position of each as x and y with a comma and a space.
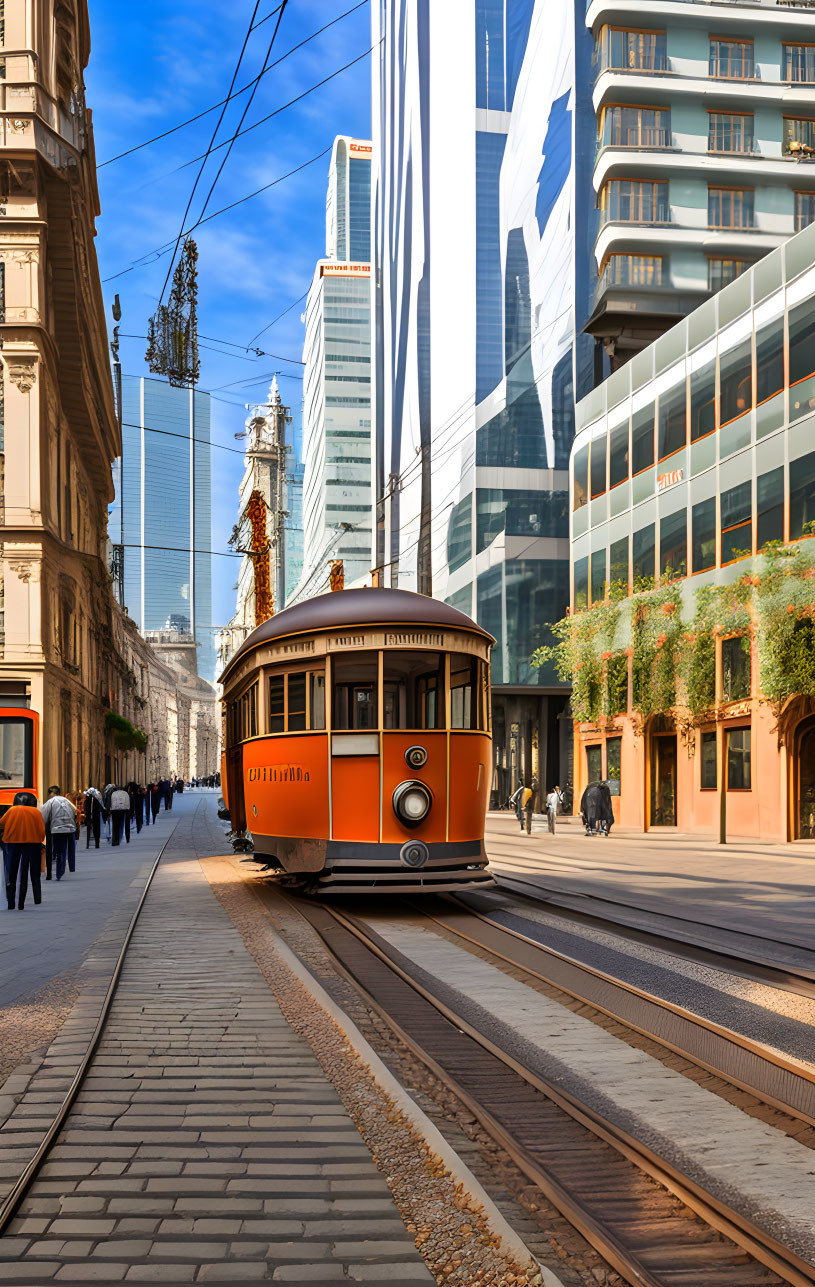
211, 142
278, 357
192, 119
279, 318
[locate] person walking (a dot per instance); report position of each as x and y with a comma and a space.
136, 805
155, 799
107, 792
553, 802
59, 817
528, 797
606, 809
169, 792
515, 801
94, 814
22, 830
120, 815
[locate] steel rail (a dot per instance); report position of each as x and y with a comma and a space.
767, 1054
9, 1207
786, 1264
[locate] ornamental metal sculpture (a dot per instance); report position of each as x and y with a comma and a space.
172, 332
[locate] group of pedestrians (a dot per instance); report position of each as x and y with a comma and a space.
39, 839
522, 801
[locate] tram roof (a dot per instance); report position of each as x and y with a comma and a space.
363, 607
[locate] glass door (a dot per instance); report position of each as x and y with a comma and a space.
806, 784
663, 780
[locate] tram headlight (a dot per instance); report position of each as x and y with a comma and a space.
416, 757
411, 803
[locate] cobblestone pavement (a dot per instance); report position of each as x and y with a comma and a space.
741, 888
206, 1145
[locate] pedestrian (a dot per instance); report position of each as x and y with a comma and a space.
59, 817
528, 798
94, 814
120, 814
515, 801
107, 792
606, 809
179, 786
553, 802
136, 805
145, 796
155, 799
169, 791
590, 807
23, 834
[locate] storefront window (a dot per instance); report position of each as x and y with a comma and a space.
671, 431
642, 439
703, 401
770, 360
802, 496
644, 553
735, 382
739, 774
673, 545
594, 763
737, 526
703, 535
736, 669
707, 761
770, 507
614, 764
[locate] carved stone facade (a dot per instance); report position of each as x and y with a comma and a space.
62, 633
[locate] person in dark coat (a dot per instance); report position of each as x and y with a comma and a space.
179, 786
155, 799
606, 814
136, 804
94, 816
591, 806
169, 790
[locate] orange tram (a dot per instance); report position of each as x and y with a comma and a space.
357, 750
19, 752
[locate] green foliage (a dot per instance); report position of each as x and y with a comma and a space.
657, 629
720, 610
786, 605
584, 645
126, 736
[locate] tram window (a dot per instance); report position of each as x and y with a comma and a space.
276, 704
15, 752
354, 704
297, 703
248, 713
316, 680
413, 690
465, 687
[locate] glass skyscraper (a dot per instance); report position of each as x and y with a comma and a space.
164, 511
337, 381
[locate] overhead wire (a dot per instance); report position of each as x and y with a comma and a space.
199, 115
277, 319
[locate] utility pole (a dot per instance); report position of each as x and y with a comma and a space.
280, 417
117, 554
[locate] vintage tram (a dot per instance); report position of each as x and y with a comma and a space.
357, 750
19, 752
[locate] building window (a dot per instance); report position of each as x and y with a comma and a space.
769, 361
632, 270
736, 669
580, 478
642, 439
703, 536
801, 359
770, 507
738, 759
581, 584
634, 201
732, 59
598, 466
737, 524
618, 565
804, 210
618, 454
636, 127
730, 132
802, 496
730, 208
709, 778
735, 382
721, 272
703, 401
798, 62
799, 135
644, 553
630, 50
614, 759
598, 576
671, 428
594, 763
673, 545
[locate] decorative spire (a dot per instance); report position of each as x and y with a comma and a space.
274, 393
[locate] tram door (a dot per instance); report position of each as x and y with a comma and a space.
663, 780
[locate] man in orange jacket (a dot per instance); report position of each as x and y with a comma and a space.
22, 831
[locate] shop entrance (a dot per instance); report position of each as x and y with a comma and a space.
663, 779
805, 776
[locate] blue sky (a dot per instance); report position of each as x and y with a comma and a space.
154, 65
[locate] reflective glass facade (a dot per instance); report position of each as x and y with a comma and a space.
166, 511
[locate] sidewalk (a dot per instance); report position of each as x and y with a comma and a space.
761, 890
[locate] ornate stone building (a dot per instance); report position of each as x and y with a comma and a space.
66, 649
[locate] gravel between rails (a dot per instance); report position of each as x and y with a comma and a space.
449, 1228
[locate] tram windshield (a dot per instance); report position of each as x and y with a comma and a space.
15, 752
413, 690
355, 685
465, 690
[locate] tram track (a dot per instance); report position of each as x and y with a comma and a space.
12, 1201
651, 1222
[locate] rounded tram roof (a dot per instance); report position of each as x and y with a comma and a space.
364, 607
